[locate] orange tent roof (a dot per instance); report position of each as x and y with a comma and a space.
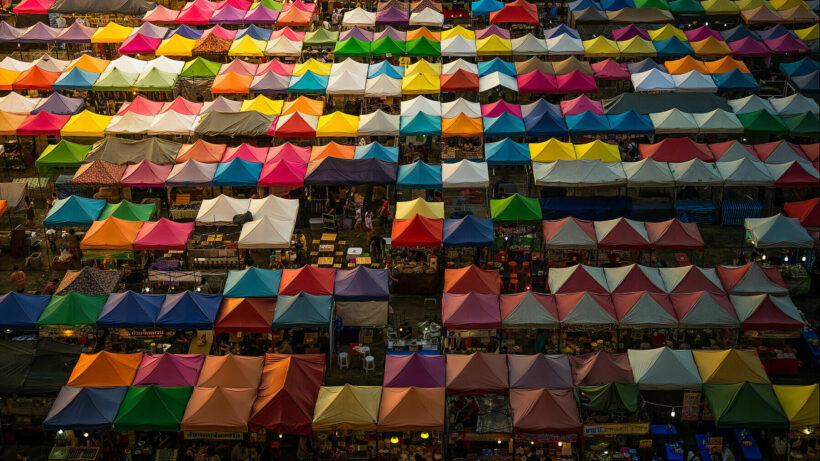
726, 64
294, 17
10, 122
231, 371
105, 369
710, 46
462, 125
7, 78
304, 105
221, 409
231, 82
35, 78
4, 206
412, 409
201, 151
89, 63
111, 234
472, 279
423, 32
332, 149
684, 65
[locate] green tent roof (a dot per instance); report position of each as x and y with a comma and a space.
515, 208
804, 124
152, 408
200, 68
387, 45
609, 397
129, 211
422, 46
270, 4
116, 80
352, 47
686, 7
659, 4
156, 80
762, 122
745, 405
321, 37
62, 154
72, 309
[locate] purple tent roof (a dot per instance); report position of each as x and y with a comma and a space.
414, 370
270, 82
191, 173
748, 46
361, 284
334, 171
40, 33
389, 31
773, 32
628, 32
261, 15
9, 33
702, 33
492, 30
228, 15
539, 371
786, 44
561, 30
152, 30
392, 16
76, 33
59, 105
357, 32
169, 369
470, 311
187, 32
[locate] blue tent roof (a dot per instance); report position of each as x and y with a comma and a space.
630, 122
735, 80
361, 284
189, 310
774, 32
255, 32
385, 67
579, 5
468, 231
309, 82
187, 32
507, 152
378, 151
673, 46
77, 79
130, 310
643, 66
484, 7
420, 124
19, 312
562, 29
542, 118
252, 282
303, 310
419, 175
84, 408
804, 66
504, 125
587, 122
615, 5
807, 83
737, 33
74, 211
496, 65
237, 172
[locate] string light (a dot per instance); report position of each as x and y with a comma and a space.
394, 439
786, 259
673, 413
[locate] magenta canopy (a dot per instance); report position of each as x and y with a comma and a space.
786, 44
415, 370
283, 173
228, 15
169, 369
609, 69
702, 33
748, 46
246, 152
576, 82
581, 104
196, 12
43, 123
139, 44
539, 371
496, 109
470, 311
537, 82
277, 67
289, 34
628, 32
33, 7
220, 32
145, 174
261, 15
163, 235
289, 152
492, 30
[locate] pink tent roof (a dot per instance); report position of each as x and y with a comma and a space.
139, 44
609, 69
581, 104
537, 82
283, 173
240, 67
163, 235
786, 44
277, 67
238, 4
145, 174
169, 369
183, 106
142, 106
598, 368
414, 370
289, 34
43, 123
492, 30
576, 82
196, 12
702, 33
161, 15
33, 6
495, 109
221, 32
289, 152
628, 32
309, 7
470, 311
748, 46
246, 152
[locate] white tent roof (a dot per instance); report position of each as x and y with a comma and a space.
349, 65
696, 172
706, 313
283, 46
796, 104
465, 173
130, 123
745, 172
459, 64
460, 106
648, 173
274, 207
571, 236
779, 169
127, 64
616, 275
10, 63
173, 123
383, 86
208, 170
558, 276
427, 17
653, 80
783, 153
266, 233
694, 82
529, 45
644, 311
165, 64
420, 104
571, 173
457, 46
497, 79
564, 44
379, 123
347, 77
16, 103
718, 121
746, 306
311, 120
673, 276
737, 151
673, 121
359, 17
751, 103
50, 64
221, 103
588, 312
755, 281
664, 369
778, 231
603, 228
529, 313
221, 209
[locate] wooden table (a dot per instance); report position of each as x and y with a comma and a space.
327, 237
326, 261
363, 260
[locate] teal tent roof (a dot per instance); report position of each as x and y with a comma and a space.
303, 310
419, 175
308, 82
420, 124
252, 283
74, 211
507, 152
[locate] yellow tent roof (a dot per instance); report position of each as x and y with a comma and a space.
7, 77
729, 366
462, 125
419, 206
87, 124
89, 63
781, 5
347, 407
551, 150
809, 33
493, 45
458, 30
665, 32
264, 105
800, 403
710, 46
423, 32
247, 46
597, 150
304, 105
423, 66
747, 5
177, 45
719, 7
338, 124
420, 84
318, 68
111, 33
600, 46
636, 46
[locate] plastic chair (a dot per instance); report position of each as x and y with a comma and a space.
344, 360
513, 284
513, 267
525, 268
369, 364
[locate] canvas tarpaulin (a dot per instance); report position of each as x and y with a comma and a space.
611, 397
84, 408
152, 408
412, 409
745, 405
347, 407
121, 151
414, 370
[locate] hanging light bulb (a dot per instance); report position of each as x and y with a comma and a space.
499, 441
560, 444
394, 439
673, 413
425, 435
85, 434
60, 431
803, 259
280, 436
532, 442
785, 259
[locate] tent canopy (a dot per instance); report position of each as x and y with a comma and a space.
84, 408
477, 372
664, 369
361, 284
468, 231
745, 405
412, 409
472, 279
598, 368
152, 408
302, 310
74, 211
347, 408
130, 310
307, 279
169, 369
539, 371
189, 310
539, 411
414, 370
470, 311
778, 231
801, 404
729, 366
105, 369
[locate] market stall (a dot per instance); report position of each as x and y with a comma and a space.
345, 421
516, 219
801, 404
568, 241
529, 322
772, 326
361, 298
612, 420
411, 421
588, 322
467, 241
414, 247
536, 434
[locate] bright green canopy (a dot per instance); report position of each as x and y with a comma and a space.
129, 211
804, 124
686, 7
152, 408
156, 80
745, 405
659, 4
762, 122
515, 208
609, 397
423, 46
72, 309
387, 45
64, 154
321, 37
269, 4
200, 68
116, 80
352, 47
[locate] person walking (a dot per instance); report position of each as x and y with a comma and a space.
29, 212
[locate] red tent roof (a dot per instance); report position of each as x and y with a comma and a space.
676, 150
518, 11
621, 234
580, 279
751, 279
142, 106
283, 173
544, 411
289, 152
164, 235
807, 211
598, 368
35, 78
625, 302
470, 311
765, 312
684, 303
555, 234
479, 372
145, 174
628, 279
609, 69
796, 174
812, 151
719, 148
295, 127
592, 308
764, 151
508, 303
308, 279
287, 393
183, 106
417, 231
674, 234
248, 315
689, 279
460, 80
196, 12
472, 279
42, 123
